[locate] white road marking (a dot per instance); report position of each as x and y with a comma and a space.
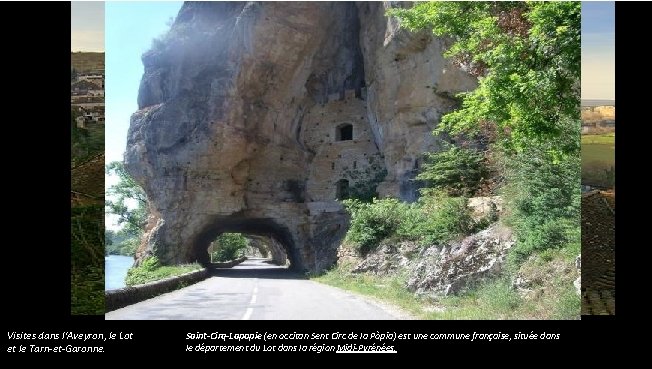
250, 310
248, 314
253, 296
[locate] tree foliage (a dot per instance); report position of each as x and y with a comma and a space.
434, 219
526, 56
127, 200
229, 246
456, 170
121, 242
544, 200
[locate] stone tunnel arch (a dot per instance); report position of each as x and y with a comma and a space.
247, 226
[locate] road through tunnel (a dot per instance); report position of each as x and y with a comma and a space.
258, 228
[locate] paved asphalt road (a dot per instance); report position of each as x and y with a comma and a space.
256, 290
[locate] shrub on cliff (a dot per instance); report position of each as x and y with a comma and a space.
544, 200
444, 218
375, 221
456, 170
436, 218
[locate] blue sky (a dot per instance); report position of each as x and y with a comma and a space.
598, 50
87, 26
130, 28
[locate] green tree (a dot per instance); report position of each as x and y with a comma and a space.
456, 170
108, 240
229, 246
127, 200
526, 56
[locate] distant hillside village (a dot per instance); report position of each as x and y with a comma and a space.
87, 88
598, 119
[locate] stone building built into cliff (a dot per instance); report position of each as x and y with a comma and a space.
257, 117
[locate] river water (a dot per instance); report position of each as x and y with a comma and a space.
115, 270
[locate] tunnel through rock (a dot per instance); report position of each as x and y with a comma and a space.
263, 232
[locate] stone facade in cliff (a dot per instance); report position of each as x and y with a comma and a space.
347, 160
256, 117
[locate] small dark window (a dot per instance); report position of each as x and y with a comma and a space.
332, 166
355, 164
342, 189
344, 132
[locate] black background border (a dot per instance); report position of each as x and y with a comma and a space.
37, 179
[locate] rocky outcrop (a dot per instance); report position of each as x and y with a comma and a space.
256, 117
485, 207
446, 270
388, 259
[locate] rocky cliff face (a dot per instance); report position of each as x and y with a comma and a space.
256, 117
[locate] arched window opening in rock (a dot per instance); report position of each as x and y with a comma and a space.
342, 191
344, 132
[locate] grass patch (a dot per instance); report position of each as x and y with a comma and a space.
568, 305
388, 289
151, 270
603, 139
553, 295
605, 155
494, 299
598, 159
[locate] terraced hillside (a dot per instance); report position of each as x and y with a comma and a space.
85, 62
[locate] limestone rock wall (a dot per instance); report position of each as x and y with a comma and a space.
239, 108
409, 88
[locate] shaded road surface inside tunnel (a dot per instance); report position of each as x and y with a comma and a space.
256, 290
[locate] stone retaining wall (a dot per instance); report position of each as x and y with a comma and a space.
116, 299
229, 264
119, 298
